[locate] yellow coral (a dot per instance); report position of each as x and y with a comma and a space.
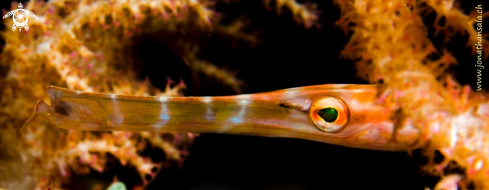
83, 45
390, 43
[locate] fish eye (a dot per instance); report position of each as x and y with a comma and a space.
329, 114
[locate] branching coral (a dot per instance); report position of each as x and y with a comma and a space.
85, 45
391, 46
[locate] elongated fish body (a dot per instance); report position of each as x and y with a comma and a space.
344, 115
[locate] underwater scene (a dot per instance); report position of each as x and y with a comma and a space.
244, 94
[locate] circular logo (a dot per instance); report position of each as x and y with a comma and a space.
20, 17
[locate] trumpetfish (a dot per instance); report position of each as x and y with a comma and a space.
340, 114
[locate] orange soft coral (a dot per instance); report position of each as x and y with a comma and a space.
390, 43
86, 45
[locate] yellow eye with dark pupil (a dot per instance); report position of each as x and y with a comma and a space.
328, 114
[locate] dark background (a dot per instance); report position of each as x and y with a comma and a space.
290, 57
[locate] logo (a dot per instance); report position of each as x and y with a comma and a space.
20, 17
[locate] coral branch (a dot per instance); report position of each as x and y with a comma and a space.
390, 41
89, 45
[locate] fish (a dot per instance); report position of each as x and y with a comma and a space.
340, 114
